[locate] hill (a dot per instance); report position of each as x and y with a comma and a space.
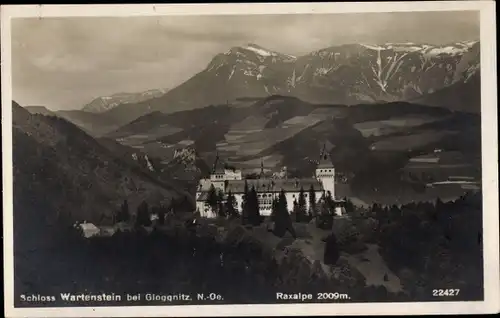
71, 176
460, 96
92, 123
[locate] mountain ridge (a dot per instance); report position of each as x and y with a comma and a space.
105, 103
345, 74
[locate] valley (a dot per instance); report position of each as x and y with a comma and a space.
371, 145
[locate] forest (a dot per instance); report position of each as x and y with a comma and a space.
428, 245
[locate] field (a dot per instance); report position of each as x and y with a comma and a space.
392, 125
250, 137
410, 142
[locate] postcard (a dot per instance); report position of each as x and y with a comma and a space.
265, 159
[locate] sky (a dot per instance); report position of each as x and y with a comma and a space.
64, 63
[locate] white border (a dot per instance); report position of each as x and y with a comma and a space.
491, 304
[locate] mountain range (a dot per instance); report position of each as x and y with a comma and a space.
444, 76
105, 103
346, 74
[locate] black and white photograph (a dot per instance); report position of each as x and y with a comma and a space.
298, 158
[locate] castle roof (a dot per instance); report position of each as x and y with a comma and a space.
273, 185
203, 197
325, 160
218, 165
204, 185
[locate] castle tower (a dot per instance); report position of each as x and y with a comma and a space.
217, 176
325, 172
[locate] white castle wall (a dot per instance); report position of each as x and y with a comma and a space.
327, 177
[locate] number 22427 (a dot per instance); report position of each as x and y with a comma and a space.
445, 292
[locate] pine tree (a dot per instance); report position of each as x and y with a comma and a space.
245, 203
312, 201
221, 211
325, 215
174, 206
296, 211
302, 212
439, 205
212, 198
283, 221
254, 212
231, 205
162, 211
329, 199
143, 216
283, 204
331, 252
274, 209
349, 206
124, 214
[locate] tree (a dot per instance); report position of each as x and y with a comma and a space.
230, 206
253, 208
124, 214
325, 217
329, 199
331, 253
221, 211
439, 205
295, 211
274, 209
283, 221
174, 206
283, 203
162, 211
312, 201
143, 216
349, 206
244, 203
301, 207
212, 198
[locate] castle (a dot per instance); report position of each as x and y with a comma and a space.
231, 181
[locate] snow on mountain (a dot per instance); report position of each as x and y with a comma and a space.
381, 72
343, 74
105, 103
259, 50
